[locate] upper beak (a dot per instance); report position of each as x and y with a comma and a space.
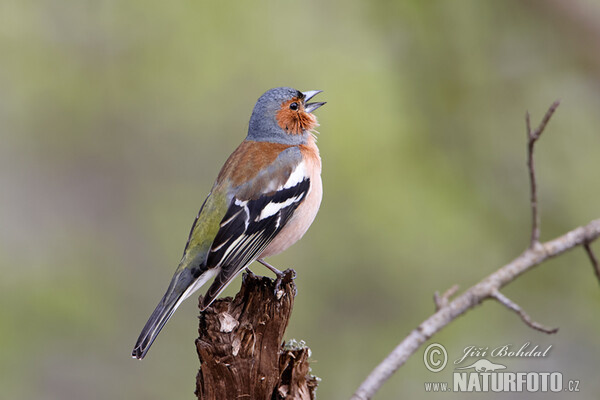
310, 107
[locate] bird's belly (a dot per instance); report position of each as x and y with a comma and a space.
300, 221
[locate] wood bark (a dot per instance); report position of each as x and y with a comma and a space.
241, 349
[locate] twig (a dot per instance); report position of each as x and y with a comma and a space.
532, 137
593, 259
505, 301
442, 301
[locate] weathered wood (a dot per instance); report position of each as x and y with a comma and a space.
241, 349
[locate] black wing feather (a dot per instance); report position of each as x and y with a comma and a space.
244, 235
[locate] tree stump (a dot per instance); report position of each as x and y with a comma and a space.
241, 349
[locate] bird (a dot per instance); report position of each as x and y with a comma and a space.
265, 197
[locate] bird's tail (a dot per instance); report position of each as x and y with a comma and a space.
183, 284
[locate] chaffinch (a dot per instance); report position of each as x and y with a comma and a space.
263, 201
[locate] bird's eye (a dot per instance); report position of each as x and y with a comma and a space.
294, 106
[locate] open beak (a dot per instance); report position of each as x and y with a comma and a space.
310, 107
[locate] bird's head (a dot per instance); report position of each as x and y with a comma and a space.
283, 115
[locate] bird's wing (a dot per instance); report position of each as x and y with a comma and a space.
257, 212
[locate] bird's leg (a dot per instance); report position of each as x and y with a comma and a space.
277, 272
272, 268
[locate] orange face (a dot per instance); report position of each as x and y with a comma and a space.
292, 118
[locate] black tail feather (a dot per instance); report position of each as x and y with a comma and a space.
184, 283
162, 313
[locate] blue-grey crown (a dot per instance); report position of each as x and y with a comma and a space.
263, 125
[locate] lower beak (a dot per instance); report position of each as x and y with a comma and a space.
310, 107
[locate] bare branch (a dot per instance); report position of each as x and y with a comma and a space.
532, 137
505, 301
442, 301
593, 259
489, 287
471, 298
535, 135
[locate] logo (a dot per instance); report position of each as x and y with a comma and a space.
481, 374
484, 365
435, 357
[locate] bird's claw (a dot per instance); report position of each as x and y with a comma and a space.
278, 290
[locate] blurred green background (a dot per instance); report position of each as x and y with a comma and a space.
116, 117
